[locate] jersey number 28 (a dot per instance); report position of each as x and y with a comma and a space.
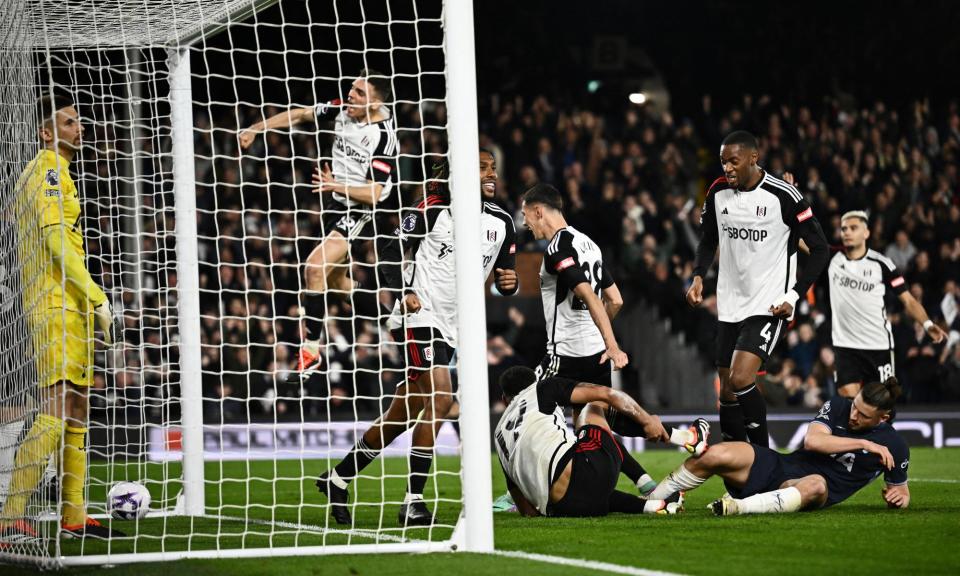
594, 276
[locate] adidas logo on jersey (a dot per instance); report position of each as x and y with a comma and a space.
725, 211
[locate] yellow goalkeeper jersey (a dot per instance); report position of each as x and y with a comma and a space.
48, 219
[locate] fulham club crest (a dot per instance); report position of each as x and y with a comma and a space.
761, 211
491, 235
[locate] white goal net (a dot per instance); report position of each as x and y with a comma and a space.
204, 248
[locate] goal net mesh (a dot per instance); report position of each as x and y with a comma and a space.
267, 434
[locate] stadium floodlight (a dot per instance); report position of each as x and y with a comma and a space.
638, 98
200, 244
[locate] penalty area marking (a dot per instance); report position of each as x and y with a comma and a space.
935, 480
580, 563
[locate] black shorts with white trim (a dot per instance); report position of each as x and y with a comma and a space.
756, 334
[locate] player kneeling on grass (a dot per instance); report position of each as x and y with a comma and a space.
848, 444
551, 471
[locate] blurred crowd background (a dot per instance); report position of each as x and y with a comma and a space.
633, 177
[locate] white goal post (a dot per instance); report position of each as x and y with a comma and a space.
200, 246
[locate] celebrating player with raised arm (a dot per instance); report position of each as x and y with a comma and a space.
847, 445
580, 299
426, 319
756, 220
862, 337
63, 306
363, 176
552, 472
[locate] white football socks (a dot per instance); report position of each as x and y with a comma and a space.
680, 480
9, 442
775, 502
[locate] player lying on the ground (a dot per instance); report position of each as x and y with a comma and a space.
426, 320
550, 471
848, 444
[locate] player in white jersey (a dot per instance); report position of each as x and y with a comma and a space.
425, 319
552, 472
859, 280
580, 299
362, 178
756, 220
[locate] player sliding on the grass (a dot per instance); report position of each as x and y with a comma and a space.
551, 472
425, 319
848, 445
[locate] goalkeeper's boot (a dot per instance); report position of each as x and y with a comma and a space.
338, 498
415, 513
699, 433
17, 532
724, 506
90, 529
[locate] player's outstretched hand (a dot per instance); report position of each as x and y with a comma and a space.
323, 180
246, 137
411, 303
654, 431
618, 356
880, 450
695, 293
110, 324
506, 279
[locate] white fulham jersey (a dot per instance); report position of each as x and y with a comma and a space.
571, 258
533, 440
758, 244
361, 151
432, 275
857, 290
498, 239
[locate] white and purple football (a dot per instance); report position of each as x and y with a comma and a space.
128, 501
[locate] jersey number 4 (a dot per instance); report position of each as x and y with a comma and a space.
594, 276
846, 460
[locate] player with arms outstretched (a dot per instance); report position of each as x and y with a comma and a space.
63, 306
363, 177
849, 444
426, 320
756, 220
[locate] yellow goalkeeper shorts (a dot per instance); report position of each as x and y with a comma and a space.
63, 345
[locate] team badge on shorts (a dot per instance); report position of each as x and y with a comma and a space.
428, 353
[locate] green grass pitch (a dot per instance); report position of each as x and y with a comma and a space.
858, 537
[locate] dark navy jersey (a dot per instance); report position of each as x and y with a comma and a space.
848, 472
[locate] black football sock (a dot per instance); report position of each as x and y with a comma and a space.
626, 503
754, 414
315, 304
630, 467
359, 458
420, 461
731, 421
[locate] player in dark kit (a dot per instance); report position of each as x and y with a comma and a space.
849, 444
756, 220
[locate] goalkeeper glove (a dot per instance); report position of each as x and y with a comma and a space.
110, 324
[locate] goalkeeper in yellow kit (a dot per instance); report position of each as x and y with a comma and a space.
62, 304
